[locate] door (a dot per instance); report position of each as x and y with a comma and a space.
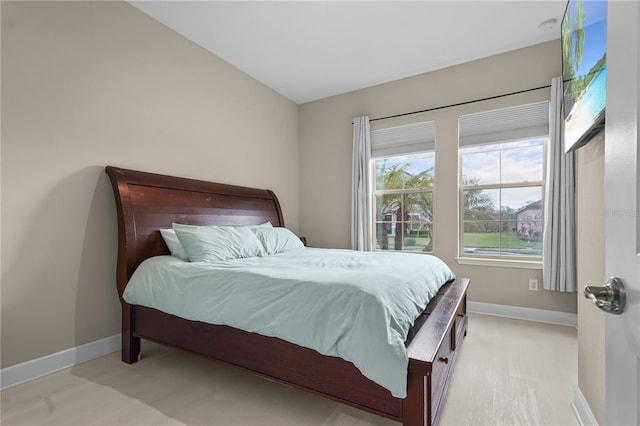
622, 218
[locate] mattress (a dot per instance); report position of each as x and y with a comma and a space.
355, 305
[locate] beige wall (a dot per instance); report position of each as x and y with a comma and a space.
590, 259
325, 157
86, 84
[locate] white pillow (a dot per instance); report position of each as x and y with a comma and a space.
278, 240
175, 247
173, 243
214, 243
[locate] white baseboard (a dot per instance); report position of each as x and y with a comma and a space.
581, 409
30, 370
518, 312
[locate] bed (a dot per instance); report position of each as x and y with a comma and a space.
147, 202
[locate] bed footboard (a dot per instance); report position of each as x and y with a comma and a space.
433, 353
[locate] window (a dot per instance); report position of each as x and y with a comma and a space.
403, 162
502, 182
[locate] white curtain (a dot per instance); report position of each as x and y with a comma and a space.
361, 220
559, 247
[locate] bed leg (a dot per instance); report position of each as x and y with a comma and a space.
130, 349
416, 407
130, 343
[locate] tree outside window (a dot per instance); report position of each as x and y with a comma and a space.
404, 202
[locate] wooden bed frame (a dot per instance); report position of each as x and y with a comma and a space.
147, 202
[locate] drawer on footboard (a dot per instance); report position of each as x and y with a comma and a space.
440, 371
460, 326
444, 360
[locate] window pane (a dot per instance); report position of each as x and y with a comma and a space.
418, 207
418, 171
482, 237
523, 202
382, 235
529, 230
388, 173
387, 206
522, 239
413, 171
419, 215
384, 231
511, 162
389, 221
403, 221
523, 143
515, 229
480, 168
418, 238
522, 164
481, 204
394, 237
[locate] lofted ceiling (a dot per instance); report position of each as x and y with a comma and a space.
309, 50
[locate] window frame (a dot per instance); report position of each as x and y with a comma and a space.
380, 192
527, 262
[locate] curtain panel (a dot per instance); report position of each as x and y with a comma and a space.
361, 210
559, 245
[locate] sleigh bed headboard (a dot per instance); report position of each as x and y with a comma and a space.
147, 202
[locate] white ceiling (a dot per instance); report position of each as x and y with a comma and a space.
308, 50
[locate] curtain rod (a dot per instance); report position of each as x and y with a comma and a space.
460, 103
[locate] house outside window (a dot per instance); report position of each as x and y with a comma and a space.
403, 163
502, 160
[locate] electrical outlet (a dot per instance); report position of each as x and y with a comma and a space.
533, 284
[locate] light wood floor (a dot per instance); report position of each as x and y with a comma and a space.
509, 372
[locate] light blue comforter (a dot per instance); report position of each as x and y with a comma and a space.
355, 305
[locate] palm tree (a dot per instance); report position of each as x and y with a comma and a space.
568, 73
579, 32
566, 49
400, 205
579, 82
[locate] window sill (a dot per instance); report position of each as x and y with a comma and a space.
502, 263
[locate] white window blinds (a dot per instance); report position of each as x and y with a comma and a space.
503, 125
407, 139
